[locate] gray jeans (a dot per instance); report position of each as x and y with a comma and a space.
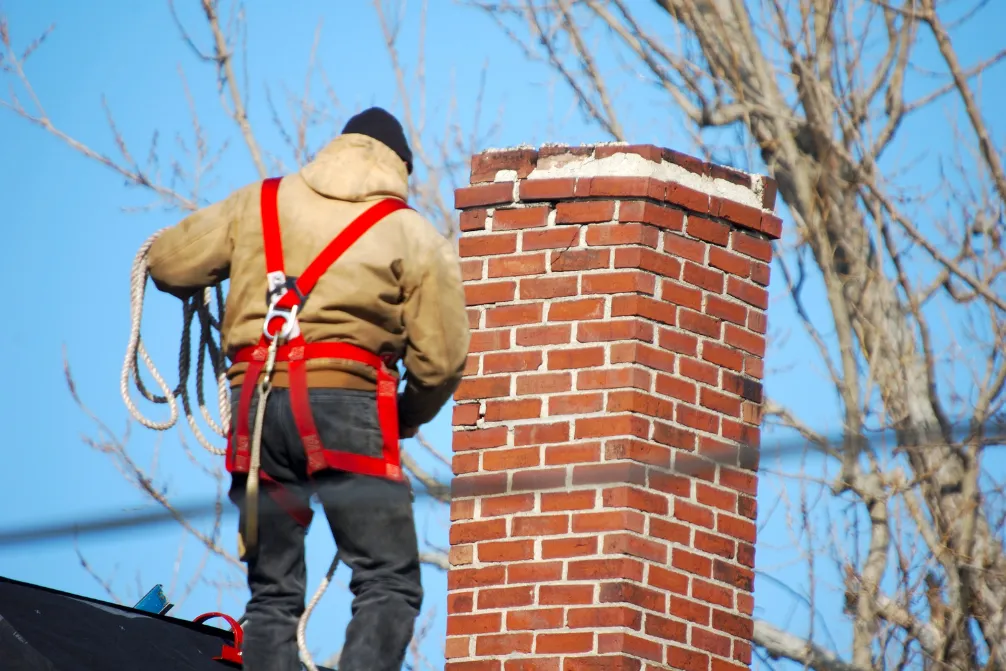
371, 520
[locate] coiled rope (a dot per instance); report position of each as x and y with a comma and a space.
199, 306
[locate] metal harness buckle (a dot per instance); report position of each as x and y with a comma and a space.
278, 285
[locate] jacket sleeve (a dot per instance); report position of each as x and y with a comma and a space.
194, 253
436, 323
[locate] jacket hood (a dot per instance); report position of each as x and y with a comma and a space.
356, 167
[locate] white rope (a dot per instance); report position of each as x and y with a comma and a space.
135, 352
199, 306
305, 656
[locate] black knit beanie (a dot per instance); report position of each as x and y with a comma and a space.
384, 127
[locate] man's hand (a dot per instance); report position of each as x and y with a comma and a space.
407, 431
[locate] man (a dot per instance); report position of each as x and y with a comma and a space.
393, 293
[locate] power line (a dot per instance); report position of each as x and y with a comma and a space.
699, 464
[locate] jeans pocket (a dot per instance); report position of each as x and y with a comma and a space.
347, 421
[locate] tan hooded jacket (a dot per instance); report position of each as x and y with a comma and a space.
397, 289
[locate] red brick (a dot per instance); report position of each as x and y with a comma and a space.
481, 623
626, 592
770, 225
717, 498
643, 306
466, 462
510, 362
564, 643
709, 231
729, 311
555, 595
501, 411
698, 370
460, 602
678, 485
539, 478
487, 164
568, 547
740, 214
611, 378
712, 593
544, 383
649, 260
624, 472
754, 367
503, 644
548, 287
598, 617
546, 189
637, 450
692, 611
683, 659
688, 464
621, 543
480, 665
745, 340
479, 439
718, 402
676, 387
618, 329
517, 265
471, 269
553, 238
609, 235
628, 281
505, 551
473, 532
647, 151
706, 278
487, 341
485, 194
639, 499
638, 353
576, 453
680, 294
714, 545
539, 434
578, 260
751, 246
489, 244
470, 578
515, 219
483, 484
465, 414
709, 641
686, 248
747, 292
690, 321
675, 341
572, 358
609, 568
757, 322
496, 506
474, 317
580, 500
728, 262
613, 520
584, 308
670, 531
506, 597
634, 645
651, 213
665, 579
584, 212
457, 646
739, 577
534, 618
620, 187
502, 460
525, 572
536, 336
617, 425
688, 198
483, 387
638, 402
669, 630
691, 563
575, 404
473, 220
736, 527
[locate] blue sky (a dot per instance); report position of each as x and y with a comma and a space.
70, 245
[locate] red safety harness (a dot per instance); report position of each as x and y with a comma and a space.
285, 297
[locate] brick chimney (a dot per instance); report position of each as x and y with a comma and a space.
604, 517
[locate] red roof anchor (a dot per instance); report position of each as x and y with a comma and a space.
231, 654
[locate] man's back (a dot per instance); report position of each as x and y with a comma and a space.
396, 290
